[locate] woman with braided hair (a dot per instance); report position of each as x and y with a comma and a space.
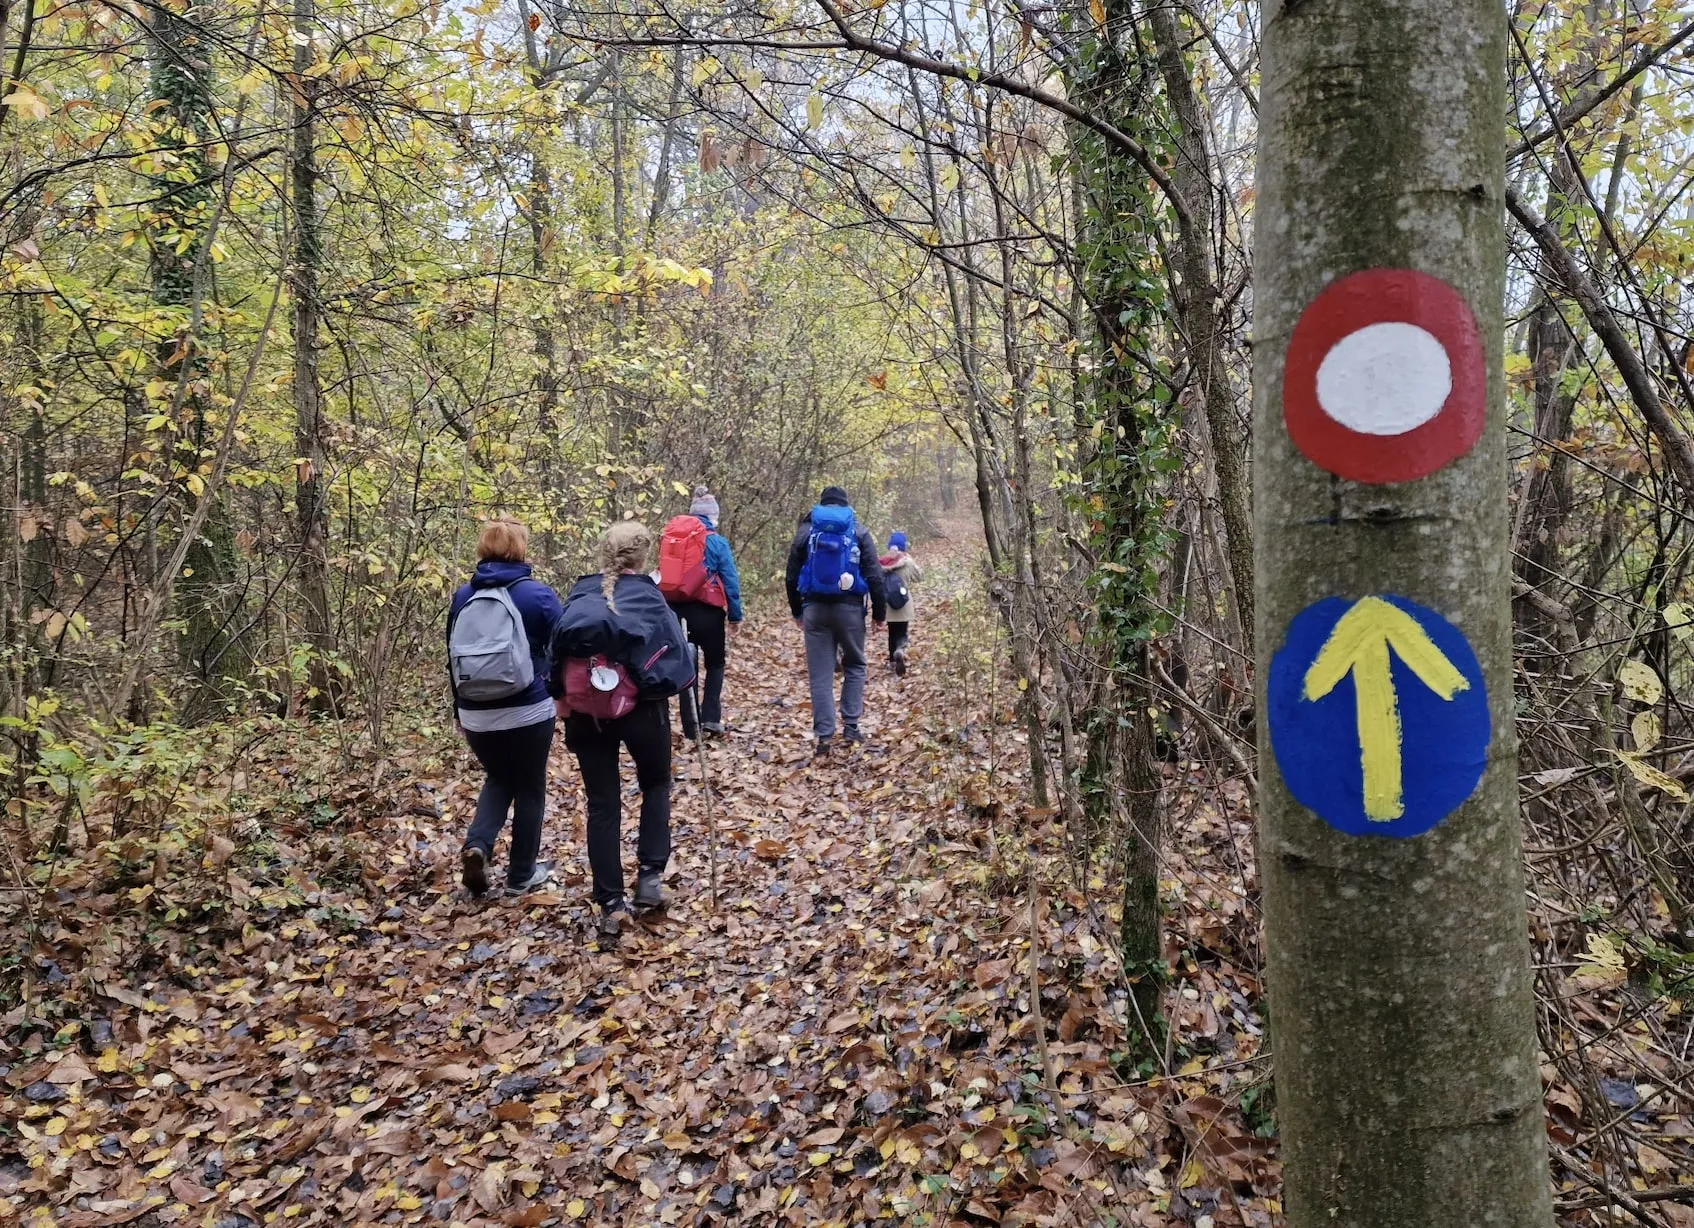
617, 631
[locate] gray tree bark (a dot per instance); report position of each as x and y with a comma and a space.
1398, 969
1198, 303
305, 266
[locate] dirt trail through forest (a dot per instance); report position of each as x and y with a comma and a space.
847, 1038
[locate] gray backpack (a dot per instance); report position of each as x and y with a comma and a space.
489, 649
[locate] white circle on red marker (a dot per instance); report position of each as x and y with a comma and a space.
1384, 377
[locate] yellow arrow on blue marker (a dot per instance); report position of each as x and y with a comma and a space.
1359, 644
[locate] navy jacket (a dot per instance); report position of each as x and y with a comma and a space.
539, 606
868, 567
642, 635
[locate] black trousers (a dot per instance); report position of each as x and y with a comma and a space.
706, 627
516, 763
647, 733
897, 633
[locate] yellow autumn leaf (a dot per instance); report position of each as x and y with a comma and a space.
1649, 775
814, 110
1679, 617
1097, 10
1602, 965
1640, 683
1191, 1174
575, 1207
408, 1202
1646, 729
26, 102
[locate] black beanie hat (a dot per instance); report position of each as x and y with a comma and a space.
833, 494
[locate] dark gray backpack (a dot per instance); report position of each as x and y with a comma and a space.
489, 648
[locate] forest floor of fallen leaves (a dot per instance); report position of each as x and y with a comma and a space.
257, 994
316, 1024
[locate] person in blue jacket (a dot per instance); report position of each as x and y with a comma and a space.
708, 624
620, 613
510, 737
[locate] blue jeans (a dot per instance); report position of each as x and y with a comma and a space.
832, 625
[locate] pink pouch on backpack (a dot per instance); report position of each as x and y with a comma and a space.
598, 688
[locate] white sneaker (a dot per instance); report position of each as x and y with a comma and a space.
542, 873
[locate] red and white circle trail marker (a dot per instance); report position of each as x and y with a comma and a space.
1384, 380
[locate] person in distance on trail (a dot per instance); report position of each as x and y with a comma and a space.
498, 628
832, 567
899, 572
619, 655
697, 576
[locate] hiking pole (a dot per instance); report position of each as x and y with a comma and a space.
705, 780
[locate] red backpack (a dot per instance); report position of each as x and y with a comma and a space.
614, 696
682, 563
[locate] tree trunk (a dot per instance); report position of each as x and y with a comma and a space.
181, 81
311, 518
1198, 303
1398, 969
1128, 396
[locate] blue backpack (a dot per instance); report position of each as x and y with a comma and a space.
832, 554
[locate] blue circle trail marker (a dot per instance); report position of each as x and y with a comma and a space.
1378, 715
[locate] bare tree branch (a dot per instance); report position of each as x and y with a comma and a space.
1675, 441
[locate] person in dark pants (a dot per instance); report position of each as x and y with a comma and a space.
832, 567
510, 735
620, 615
708, 625
900, 572
647, 733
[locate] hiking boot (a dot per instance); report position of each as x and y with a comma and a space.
610, 924
473, 870
648, 891
715, 728
850, 734
899, 661
821, 750
542, 873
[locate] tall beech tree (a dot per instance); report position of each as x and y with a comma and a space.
1398, 968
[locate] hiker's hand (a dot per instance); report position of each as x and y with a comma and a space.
800, 623
879, 624
735, 628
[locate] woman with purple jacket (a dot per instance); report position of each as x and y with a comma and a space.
510, 734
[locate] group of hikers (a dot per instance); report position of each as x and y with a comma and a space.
607, 660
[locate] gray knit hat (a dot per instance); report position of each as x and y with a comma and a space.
704, 503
